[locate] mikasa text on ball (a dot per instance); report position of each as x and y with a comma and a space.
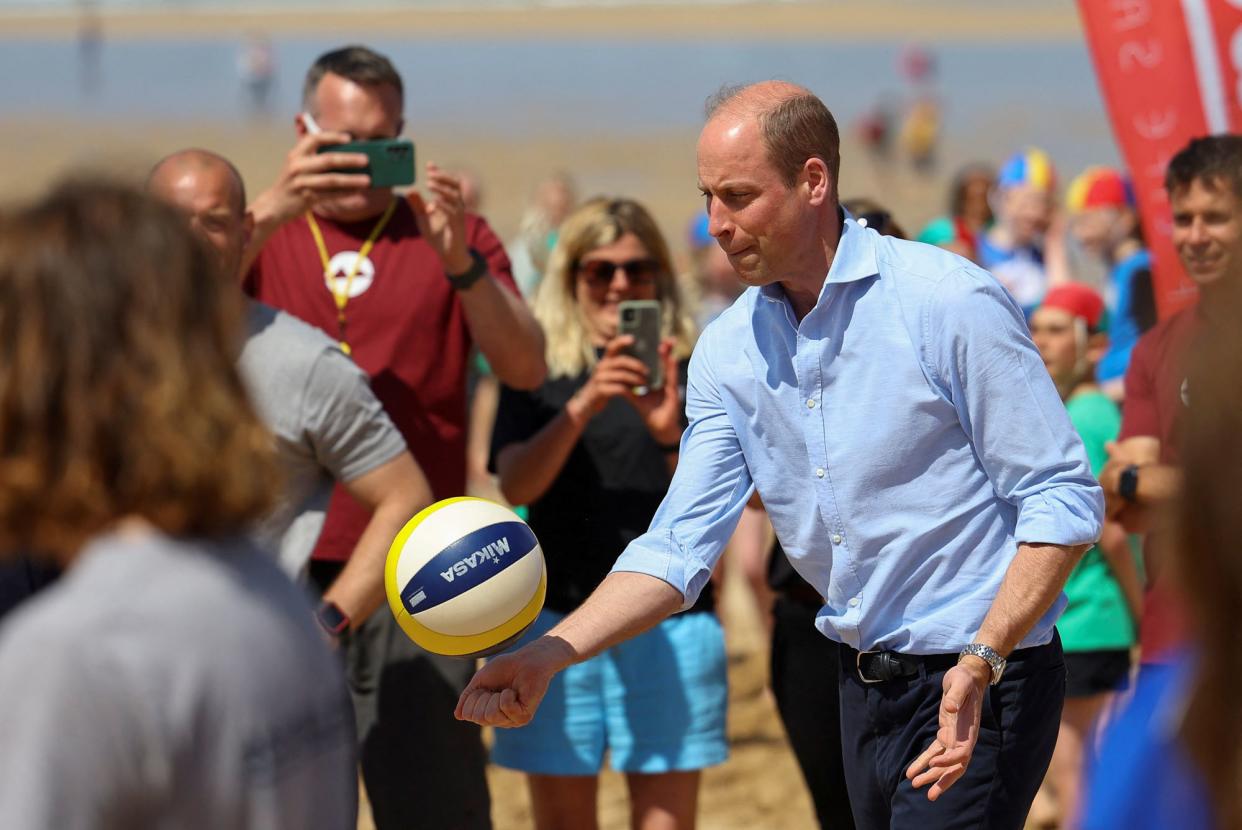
465, 577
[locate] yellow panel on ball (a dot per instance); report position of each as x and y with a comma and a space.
465, 577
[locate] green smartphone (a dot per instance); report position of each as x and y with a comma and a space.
390, 161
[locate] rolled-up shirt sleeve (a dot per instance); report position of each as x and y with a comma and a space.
978, 348
709, 489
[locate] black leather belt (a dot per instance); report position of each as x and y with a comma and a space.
882, 666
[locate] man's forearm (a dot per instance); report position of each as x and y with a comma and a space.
393, 492
359, 588
506, 333
1031, 585
623, 606
266, 223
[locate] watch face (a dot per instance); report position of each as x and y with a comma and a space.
332, 618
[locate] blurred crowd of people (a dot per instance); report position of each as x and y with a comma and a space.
179, 421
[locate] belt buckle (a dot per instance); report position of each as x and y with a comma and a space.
858, 668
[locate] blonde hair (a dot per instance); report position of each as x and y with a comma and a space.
596, 223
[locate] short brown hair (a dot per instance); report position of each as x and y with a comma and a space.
119, 394
353, 63
794, 129
1209, 159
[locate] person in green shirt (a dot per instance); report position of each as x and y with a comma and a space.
1104, 591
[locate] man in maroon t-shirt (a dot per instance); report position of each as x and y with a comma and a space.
407, 288
1204, 182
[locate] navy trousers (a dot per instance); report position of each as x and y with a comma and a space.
885, 726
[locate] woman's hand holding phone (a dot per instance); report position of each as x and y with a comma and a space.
618, 374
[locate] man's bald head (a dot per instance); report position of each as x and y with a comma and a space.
197, 162
793, 123
207, 188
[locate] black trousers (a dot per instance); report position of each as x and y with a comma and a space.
805, 669
422, 768
885, 726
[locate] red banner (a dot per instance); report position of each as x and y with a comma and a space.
1169, 71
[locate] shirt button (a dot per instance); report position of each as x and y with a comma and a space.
819, 473
836, 538
854, 602
810, 404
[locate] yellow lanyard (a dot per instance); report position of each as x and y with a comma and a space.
341, 294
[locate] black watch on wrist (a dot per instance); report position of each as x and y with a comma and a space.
476, 271
1127, 486
332, 618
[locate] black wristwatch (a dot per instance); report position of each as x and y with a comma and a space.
332, 618
476, 271
1127, 486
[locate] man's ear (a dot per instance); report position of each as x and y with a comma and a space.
247, 227
818, 182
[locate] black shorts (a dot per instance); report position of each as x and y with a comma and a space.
1092, 672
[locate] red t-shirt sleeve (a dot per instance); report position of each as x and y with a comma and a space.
1139, 413
484, 240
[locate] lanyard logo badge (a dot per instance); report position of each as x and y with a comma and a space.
336, 275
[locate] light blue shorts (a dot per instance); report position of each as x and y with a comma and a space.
656, 703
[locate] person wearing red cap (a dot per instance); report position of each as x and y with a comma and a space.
1105, 224
1098, 627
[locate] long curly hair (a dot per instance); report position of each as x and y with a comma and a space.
119, 392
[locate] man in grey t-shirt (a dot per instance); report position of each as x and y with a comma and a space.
328, 424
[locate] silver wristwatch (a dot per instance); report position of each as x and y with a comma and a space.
989, 656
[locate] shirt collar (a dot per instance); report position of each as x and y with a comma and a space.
854, 259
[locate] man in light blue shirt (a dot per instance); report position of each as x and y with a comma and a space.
886, 401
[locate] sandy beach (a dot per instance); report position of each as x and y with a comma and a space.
837, 20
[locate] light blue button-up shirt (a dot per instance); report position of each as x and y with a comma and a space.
904, 438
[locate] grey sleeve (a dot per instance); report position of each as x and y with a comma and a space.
70, 749
344, 422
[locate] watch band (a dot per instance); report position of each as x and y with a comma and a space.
477, 271
332, 618
1127, 485
990, 656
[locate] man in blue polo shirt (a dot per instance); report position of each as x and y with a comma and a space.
886, 401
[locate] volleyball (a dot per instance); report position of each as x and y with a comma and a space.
465, 577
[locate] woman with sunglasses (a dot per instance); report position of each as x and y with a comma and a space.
593, 459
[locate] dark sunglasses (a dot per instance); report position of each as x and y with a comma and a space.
599, 273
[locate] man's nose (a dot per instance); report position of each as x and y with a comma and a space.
1198, 232
718, 222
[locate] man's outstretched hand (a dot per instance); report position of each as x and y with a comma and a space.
507, 690
946, 759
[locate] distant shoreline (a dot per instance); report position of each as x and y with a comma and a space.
835, 21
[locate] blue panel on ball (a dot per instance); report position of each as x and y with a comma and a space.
470, 561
